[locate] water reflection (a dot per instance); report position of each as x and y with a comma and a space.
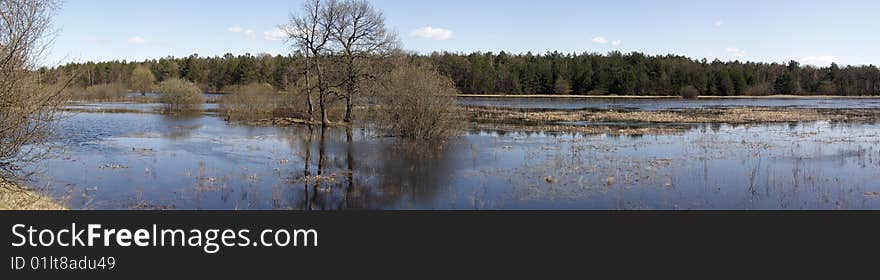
341, 173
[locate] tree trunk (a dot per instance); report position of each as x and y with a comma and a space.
309, 89
322, 96
347, 108
349, 89
324, 119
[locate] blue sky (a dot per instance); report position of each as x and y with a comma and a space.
813, 32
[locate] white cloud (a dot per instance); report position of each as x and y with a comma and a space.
819, 60
600, 40
432, 33
736, 53
719, 23
275, 35
137, 40
250, 33
616, 43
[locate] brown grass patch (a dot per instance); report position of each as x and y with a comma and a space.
726, 115
14, 197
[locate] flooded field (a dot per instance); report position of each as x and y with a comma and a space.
140, 160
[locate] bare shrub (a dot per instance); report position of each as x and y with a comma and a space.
103, 92
249, 102
418, 104
180, 96
689, 92
27, 105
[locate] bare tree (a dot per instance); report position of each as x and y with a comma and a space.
311, 32
360, 33
27, 106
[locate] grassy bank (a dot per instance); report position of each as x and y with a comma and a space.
14, 197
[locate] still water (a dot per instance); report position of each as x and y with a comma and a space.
153, 161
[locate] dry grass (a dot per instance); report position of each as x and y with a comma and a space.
14, 197
727, 115
566, 96
102, 92
581, 129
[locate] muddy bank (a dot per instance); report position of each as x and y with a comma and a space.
14, 197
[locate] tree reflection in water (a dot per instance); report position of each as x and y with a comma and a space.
365, 172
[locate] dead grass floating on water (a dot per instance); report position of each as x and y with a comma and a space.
581, 129
690, 116
113, 166
283, 122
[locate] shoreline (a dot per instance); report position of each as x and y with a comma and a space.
14, 197
781, 96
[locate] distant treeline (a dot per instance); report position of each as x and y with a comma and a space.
211, 73
640, 74
551, 73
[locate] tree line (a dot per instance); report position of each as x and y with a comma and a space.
504, 73
215, 73
639, 74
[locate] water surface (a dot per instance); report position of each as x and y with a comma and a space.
153, 161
